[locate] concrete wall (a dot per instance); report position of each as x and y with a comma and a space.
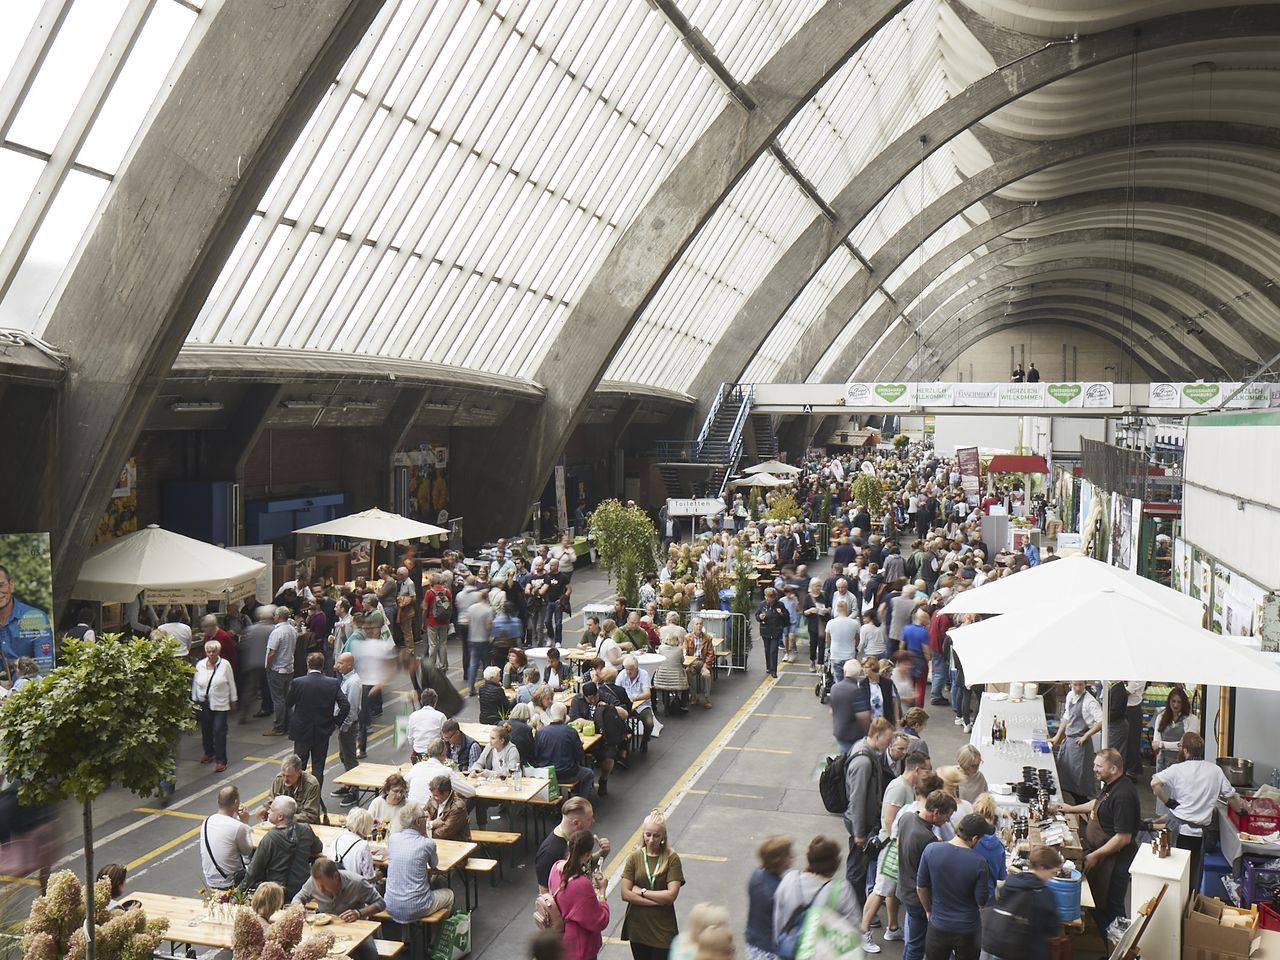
1067, 431
1088, 356
1000, 433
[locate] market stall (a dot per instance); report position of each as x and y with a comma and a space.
375, 526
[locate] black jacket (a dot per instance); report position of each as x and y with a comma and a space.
493, 702
318, 707
522, 739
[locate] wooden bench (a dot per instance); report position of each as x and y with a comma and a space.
495, 841
388, 948
475, 868
417, 936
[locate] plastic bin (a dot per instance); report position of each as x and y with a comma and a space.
1262, 819
1066, 892
1215, 868
1260, 884
1268, 919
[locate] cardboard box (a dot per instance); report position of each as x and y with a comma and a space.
1218, 931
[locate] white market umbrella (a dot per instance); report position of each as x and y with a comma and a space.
1045, 588
759, 480
775, 467
1105, 635
376, 524
169, 567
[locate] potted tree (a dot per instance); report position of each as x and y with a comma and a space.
627, 544
110, 714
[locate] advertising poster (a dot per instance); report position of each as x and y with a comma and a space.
977, 394
1021, 394
1180, 576
427, 474
969, 470
26, 597
121, 516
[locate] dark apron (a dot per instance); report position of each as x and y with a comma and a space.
1095, 837
1075, 763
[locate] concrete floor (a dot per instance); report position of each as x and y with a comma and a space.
727, 776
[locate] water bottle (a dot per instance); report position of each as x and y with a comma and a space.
1275, 777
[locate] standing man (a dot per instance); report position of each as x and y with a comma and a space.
557, 590
1110, 836
438, 603
952, 883
1135, 690
280, 646
1081, 719
1191, 789
479, 628
842, 638
915, 640
253, 662
866, 775
575, 815
318, 705
349, 728
848, 700
915, 834
214, 688
773, 618
226, 644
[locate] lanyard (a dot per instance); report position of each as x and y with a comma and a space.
651, 874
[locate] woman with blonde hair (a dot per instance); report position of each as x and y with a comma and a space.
989, 846
973, 784
651, 879
267, 899
703, 919
952, 778
350, 849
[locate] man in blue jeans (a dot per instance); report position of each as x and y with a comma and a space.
479, 640
915, 834
952, 882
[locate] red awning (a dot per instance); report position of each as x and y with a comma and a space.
1017, 463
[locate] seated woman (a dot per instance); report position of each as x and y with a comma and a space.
350, 849
531, 677
519, 723
493, 699
116, 874
267, 900
513, 671
670, 677
540, 704
500, 758
411, 857
447, 811
385, 809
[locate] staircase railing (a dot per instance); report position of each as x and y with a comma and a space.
721, 393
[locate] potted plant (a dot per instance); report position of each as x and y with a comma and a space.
627, 544
55, 928
866, 490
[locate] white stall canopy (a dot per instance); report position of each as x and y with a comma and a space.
168, 567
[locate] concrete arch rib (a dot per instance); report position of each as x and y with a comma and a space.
1141, 316
993, 325
169, 221
495, 502
809, 348
1148, 250
993, 178
1158, 346
785, 281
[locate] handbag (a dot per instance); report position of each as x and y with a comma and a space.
828, 933
889, 860
454, 938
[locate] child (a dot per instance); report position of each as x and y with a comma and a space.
267, 899
1025, 916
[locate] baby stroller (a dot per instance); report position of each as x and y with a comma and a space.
822, 689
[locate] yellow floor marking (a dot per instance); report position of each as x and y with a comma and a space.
621, 852
29, 881
703, 857
169, 813
787, 716
760, 750
164, 847
262, 759
725, 793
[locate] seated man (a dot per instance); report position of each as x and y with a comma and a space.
425, 724
463, 751
557, 745
609, 724
294, 782
411, 856
557, 674
633, 635
532, 677
635, 682
447, 811
285, 853
343, 895
421, 773
591, 634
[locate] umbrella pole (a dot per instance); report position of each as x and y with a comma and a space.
1106, 712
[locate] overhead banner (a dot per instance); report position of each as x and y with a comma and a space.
977, 394
968, 457
1206, 396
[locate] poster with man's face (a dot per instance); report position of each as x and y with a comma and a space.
26, 597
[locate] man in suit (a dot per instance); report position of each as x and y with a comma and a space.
317, 706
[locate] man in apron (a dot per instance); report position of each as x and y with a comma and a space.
1190, 789
1110, 836
1081, 719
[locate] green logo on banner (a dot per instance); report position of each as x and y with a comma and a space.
1200, 392
1063, 392
890, 392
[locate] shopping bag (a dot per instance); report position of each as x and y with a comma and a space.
828, 934
889, 860
454, 940
551, 792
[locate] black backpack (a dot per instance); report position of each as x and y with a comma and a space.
1006, 927
832, 786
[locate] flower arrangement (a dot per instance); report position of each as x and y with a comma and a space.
220, 905
283, 940
55, 927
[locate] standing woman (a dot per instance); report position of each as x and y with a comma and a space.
815, 613
1171, 723
579, 892
651, 881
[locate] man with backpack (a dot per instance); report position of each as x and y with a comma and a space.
1025, 916
866, 776
439, 605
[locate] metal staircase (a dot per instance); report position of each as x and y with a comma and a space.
764, 432
702, 467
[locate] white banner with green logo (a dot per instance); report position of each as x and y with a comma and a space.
971, 394
879, 394
1212, 394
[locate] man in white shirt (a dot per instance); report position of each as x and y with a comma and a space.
1191, 789
635, 682
424, 771
280, 650
842, 637
424, 724
348, 733
844, 595
214, 688
226, 843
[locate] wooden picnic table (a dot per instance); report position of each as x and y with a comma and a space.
504, 791
449, 852
189, 923
371, 776
480, 733
368, 776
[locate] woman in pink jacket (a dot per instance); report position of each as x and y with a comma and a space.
579, 891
